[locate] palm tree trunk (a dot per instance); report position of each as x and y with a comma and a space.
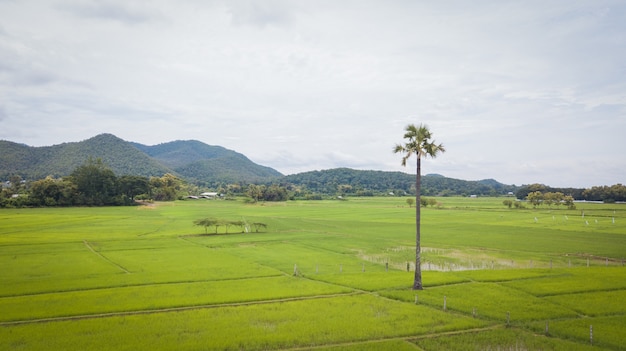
417, 282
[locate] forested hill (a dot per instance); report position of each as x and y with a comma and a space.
211, 166
60, 160
192, 160
179, 153
208, 164
349, 181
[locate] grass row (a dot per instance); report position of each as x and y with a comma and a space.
160, 296
250, 327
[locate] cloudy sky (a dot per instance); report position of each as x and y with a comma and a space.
520, 91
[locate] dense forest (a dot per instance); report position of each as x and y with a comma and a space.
91, 184
345, 181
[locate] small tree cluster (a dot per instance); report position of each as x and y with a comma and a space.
167, 188
510, 203
267, 193
537, 198
217, 223
428, 202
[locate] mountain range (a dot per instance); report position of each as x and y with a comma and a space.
208, 165
192, 160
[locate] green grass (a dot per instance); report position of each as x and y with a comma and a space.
601, 303
500, 339
147, 277
379, 281
608, 332
574, 281
160, 296
487, 300
250, 327
396, 345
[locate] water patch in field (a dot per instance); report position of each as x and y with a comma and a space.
437, 259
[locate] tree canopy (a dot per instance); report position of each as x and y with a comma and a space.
91, 184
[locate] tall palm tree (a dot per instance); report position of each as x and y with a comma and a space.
419, 143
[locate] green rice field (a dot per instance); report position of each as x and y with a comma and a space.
323, 275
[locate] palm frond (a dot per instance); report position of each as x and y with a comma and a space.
418, 143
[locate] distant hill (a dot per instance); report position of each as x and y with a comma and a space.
209, 165
192, 160
199, 162
60, 160
179, 153
329, 181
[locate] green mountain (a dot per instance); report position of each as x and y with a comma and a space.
60, 160
203, 164
180, 153
192, 160
345, 180
209, 165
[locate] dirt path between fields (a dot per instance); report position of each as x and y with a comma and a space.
104, 257
170, 309
398, 338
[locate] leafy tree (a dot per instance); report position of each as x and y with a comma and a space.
255, 191
52, 192
232, 189
568, 201
132, 186
166, 188
275, 193
206, 223
239, 224
551, 198
16, 184
523, 192
507, 203
410, 201
95, 182
535, 198
418, 142
6, 197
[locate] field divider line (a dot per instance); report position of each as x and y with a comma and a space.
409, 338
459, 332
141, 285
104, 257
171, 309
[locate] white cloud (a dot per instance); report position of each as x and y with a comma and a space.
518, 91
126, 12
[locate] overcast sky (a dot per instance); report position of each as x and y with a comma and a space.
519, 91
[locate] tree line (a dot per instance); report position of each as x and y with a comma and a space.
537, 198
91, 184
351, 182
95, 184
604, 193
